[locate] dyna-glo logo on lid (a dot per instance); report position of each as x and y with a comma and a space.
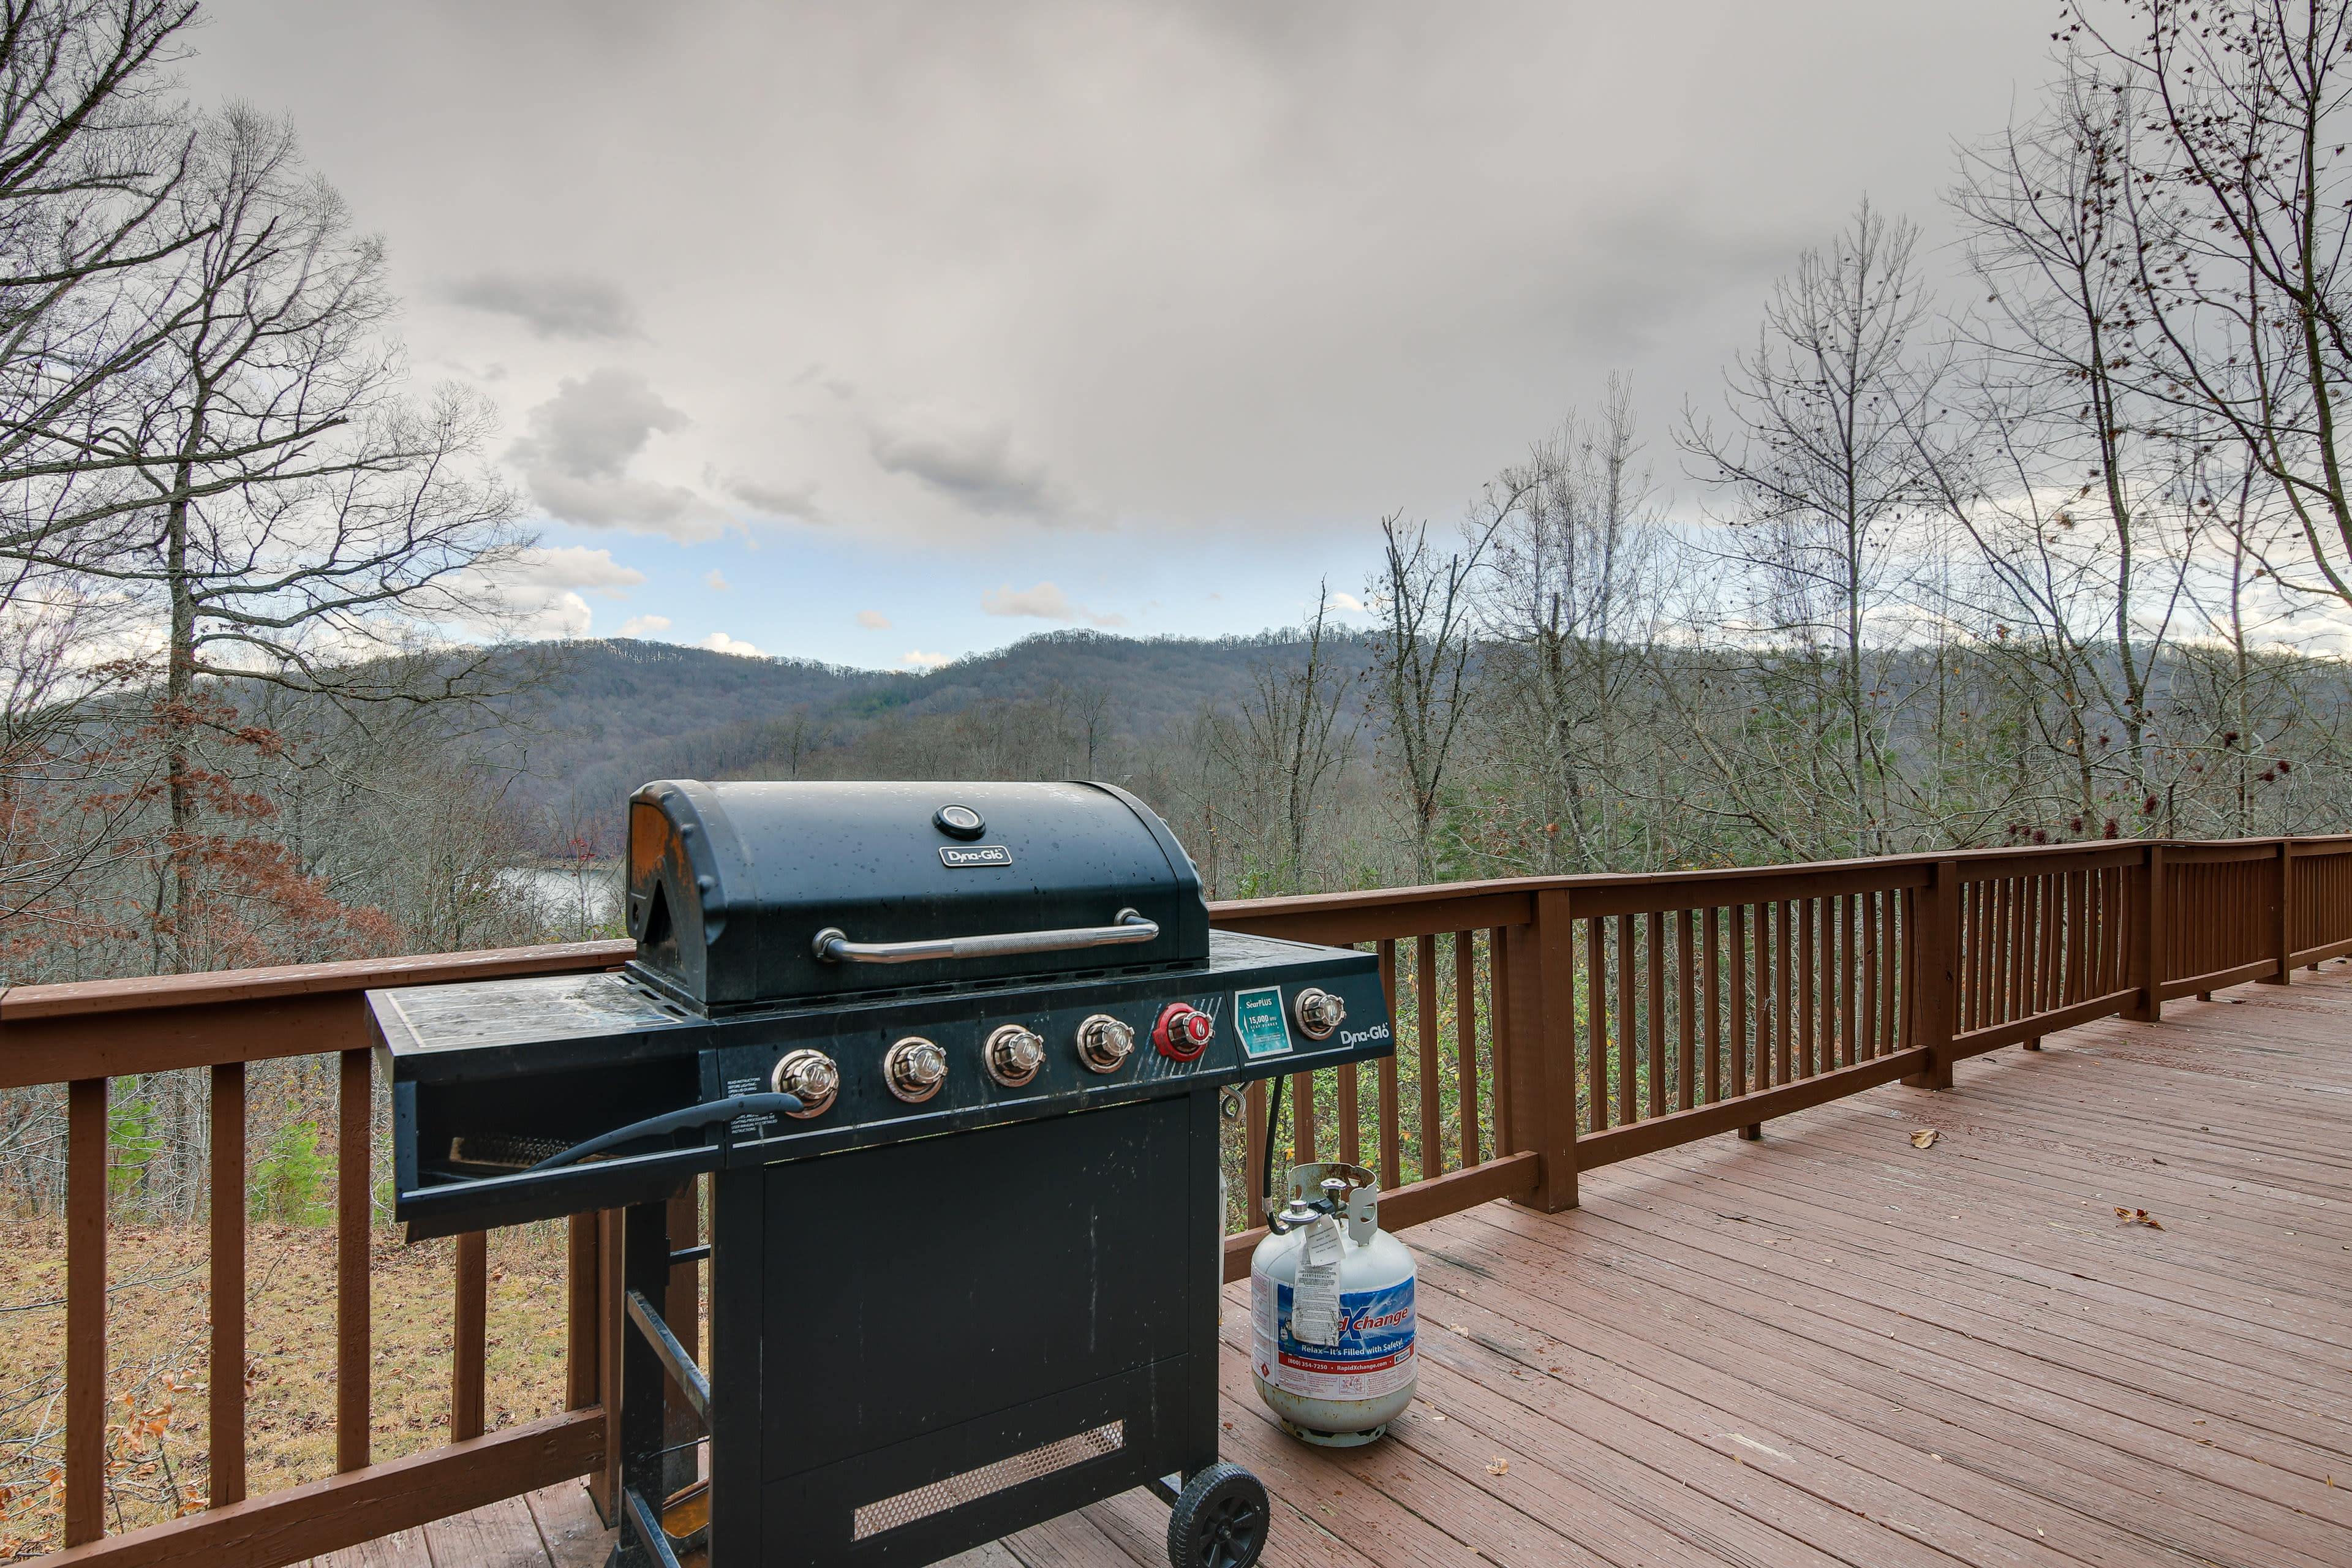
956, 855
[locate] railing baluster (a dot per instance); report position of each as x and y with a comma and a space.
2019, 993
1657, 1030
1808, 1040
85, 1309
1466, 1044
468, 1336
1872, 902
581, 1271
1743, 1076
225, 1432
1433, 1119
1628, 1019
1988, 1012
1498, 1034
355, 1094
1711, 984
1596, 1005
1391, 1155
1847, 1013
1686, 1031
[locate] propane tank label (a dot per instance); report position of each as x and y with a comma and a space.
1374, 1355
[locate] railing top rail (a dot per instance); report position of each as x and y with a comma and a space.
22, 1004
1886, 868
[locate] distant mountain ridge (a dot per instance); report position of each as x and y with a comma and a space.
621, 711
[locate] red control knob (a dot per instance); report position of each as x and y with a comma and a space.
1182, 1032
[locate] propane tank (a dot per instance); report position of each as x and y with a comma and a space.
1331, 1318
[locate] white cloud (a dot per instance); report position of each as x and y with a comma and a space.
916, 658
576, 457
643, 625
1045, 602
717, 580
576, 566
720, 642
1347, 602
543, 592
874, 620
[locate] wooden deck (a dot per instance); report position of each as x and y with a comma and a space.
1833, 1347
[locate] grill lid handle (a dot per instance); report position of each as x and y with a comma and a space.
832, 945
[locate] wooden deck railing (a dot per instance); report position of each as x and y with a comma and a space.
1544, 1026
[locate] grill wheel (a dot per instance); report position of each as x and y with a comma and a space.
1220, 1519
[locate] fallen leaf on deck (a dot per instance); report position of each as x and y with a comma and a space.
1499, 1468
2138, 1216
1925, 1138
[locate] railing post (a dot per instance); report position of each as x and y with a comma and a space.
1543, 1056
1935, 996
2282, 916
2150, 926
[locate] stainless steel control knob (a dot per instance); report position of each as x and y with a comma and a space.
914, 1069
1014, 1054
1319, 1013
809, 1075
1104, 1042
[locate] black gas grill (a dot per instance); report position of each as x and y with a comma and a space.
959, 1054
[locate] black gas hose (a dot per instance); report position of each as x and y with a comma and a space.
671, 1122
1273, 1121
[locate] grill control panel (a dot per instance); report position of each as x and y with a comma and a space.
561, 1059
970, 1059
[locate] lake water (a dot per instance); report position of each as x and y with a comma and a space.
565, 896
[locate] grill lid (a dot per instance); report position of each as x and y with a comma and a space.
745, 894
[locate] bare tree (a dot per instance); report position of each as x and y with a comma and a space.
2230, 220
1421, 662
300, 521
93, 157
1279, 759
1830, 466
1571, 594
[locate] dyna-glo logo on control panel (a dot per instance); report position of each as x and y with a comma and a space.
955, 855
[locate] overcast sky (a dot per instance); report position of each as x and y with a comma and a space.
876, 332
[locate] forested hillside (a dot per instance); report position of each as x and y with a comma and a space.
614, 713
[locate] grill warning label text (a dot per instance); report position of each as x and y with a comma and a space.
1258, 1015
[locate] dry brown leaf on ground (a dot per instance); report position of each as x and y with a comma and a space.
1926, 1138
1499, 1468
2138, 1216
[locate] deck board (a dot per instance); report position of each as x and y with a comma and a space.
1832, 1347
